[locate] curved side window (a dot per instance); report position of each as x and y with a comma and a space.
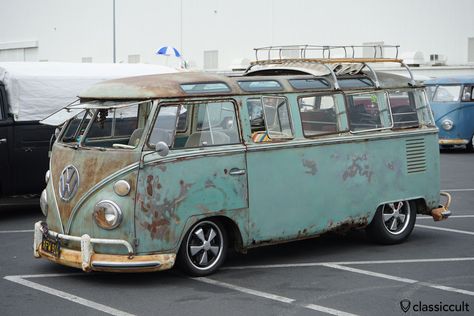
318, 115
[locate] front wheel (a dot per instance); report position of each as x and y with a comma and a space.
470, 145
203, 249
392, 223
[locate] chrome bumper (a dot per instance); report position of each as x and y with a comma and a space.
87, 260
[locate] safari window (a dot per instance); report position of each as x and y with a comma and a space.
76, 127
363, 111
403, 107
318, 115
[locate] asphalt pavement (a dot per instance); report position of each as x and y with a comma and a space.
330, 275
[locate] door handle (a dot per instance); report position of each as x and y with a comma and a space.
236, 172
3, 141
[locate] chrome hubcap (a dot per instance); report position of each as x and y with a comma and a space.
396, 217
204, 245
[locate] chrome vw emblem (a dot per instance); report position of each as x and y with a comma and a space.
68, 183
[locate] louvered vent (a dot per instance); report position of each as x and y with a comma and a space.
416, 155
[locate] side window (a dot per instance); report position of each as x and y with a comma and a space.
318, 115
165, 125
403, 107
276, 119
215, 124
363, 111
255, 111
467, 95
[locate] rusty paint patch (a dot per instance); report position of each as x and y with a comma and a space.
163, 213
149, 185
311, 166
359, 167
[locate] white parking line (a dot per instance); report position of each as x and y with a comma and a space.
404, 280
273, 297
459, 190
446, 229
452, 216
21, 279
313, 264
16, 231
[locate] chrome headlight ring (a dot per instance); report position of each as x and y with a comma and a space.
447, 125
107, 214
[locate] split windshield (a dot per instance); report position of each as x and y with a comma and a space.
120, 126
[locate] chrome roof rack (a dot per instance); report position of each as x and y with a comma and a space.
331, 55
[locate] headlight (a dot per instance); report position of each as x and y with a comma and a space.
447, 125
122, 187
107, 214
46, 176
44, 203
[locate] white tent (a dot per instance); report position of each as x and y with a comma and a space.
35, 90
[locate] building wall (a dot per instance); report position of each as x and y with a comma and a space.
76, 29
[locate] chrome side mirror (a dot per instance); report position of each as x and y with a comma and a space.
162, 149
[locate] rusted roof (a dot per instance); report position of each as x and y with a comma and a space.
155, 86
169, 85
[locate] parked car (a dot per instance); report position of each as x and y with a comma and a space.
149, 170
452, 102
28, 93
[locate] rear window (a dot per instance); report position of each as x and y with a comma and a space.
210, 87
260, 85
403, 107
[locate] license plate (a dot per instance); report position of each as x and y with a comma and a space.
51, 246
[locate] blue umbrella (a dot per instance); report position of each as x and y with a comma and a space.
168, 51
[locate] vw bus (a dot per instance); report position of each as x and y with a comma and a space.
180, 167
452, 102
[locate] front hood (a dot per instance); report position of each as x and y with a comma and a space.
92, 166
444, 109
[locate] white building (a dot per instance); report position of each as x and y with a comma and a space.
219, 34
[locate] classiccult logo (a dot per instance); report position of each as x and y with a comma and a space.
405, 305
440, 307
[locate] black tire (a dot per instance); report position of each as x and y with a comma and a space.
392, 223
470, 145
203, 249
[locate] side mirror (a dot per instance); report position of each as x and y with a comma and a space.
162, 149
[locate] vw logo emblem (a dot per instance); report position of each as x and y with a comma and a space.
68, 183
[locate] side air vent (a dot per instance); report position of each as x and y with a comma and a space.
416, 155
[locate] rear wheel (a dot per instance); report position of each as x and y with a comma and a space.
392, 223
203, 249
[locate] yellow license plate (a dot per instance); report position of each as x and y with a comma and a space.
51, 246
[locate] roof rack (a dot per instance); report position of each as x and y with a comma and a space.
333, 55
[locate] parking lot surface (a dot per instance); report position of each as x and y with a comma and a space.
331, 275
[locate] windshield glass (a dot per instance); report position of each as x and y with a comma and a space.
117, 127
447, 94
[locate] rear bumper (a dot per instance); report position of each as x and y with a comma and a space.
87, 260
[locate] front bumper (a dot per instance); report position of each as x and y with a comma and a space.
453, 141
87, 260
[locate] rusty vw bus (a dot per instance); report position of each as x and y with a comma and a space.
179, 167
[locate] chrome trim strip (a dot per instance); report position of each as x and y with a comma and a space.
103, 182
338, 139
56, 208
125, 265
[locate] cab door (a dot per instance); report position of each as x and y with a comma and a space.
5, 127
203, 175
